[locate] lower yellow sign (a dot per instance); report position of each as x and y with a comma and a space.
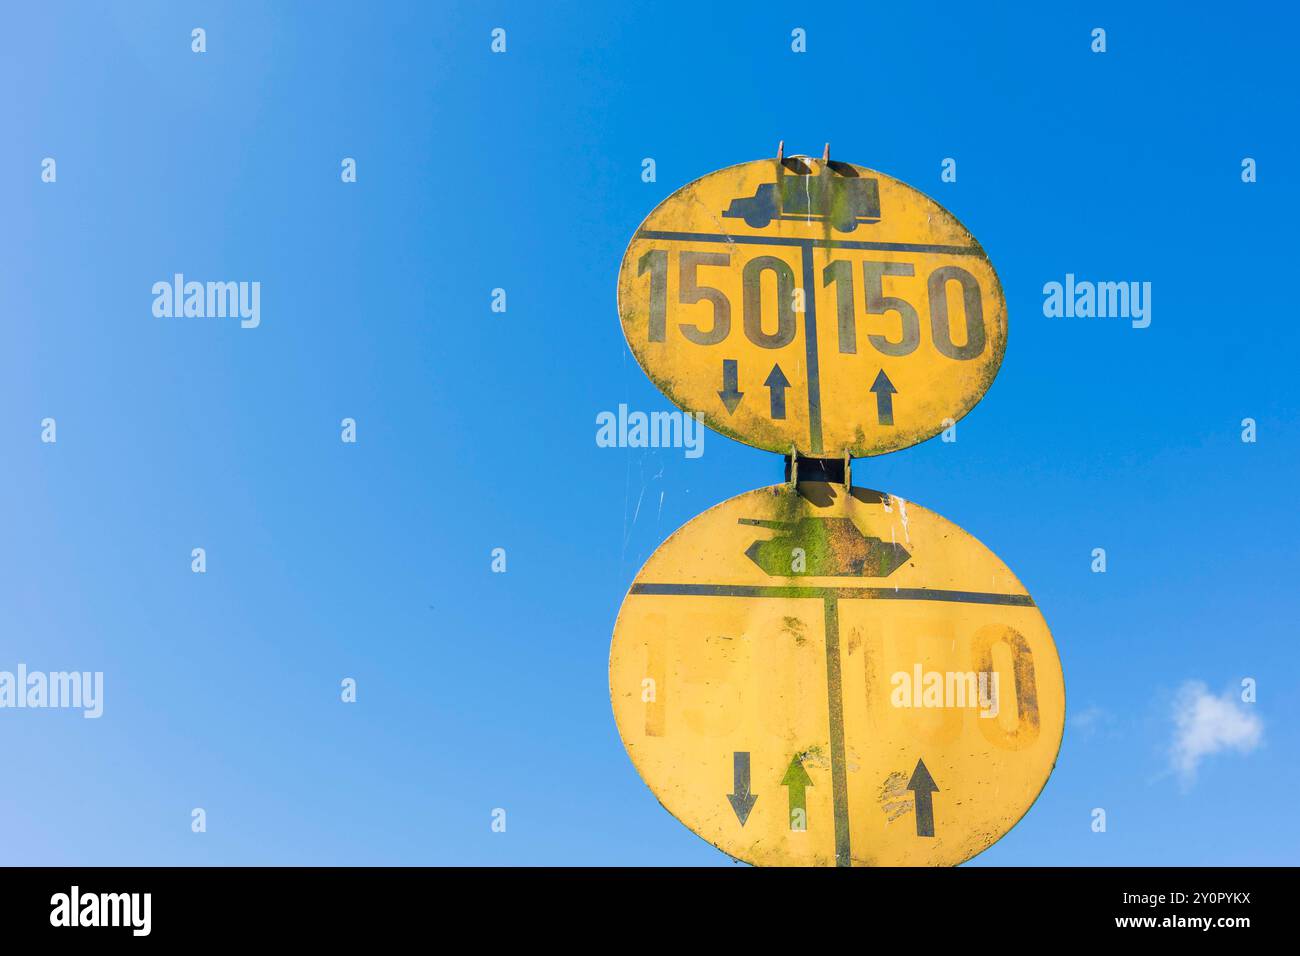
831, 676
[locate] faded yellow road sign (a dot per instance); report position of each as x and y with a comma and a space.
823, 306
821, 678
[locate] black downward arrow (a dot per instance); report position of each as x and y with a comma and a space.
742, 801
885, 393
923, 789
777, 383
730, 395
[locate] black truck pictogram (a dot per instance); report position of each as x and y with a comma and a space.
843, 201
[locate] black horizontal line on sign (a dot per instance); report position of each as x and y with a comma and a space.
826, 243
842, 593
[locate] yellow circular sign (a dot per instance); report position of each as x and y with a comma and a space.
826, 676
820, 306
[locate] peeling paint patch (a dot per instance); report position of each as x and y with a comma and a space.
814, 756
794, 627
894, 797
854, 641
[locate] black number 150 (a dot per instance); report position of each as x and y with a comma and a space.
838, 273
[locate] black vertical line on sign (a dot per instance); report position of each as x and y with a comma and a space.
810, 339
835, 700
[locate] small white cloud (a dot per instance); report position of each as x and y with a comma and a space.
1205, 725
1090, 720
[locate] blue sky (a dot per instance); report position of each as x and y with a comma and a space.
476, 430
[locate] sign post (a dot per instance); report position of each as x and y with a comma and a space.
814, 673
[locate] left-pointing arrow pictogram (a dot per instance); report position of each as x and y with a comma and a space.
831, 547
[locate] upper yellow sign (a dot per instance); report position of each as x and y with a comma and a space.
833, 676
820, 306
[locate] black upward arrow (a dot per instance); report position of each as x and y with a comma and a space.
742, 801
797, 779
923, 789
885, 392
777, 383
730, 395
